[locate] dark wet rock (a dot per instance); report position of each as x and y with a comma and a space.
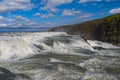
23, 76
5, 74
99, 48
112, 70
63, 57
39, 47
85, 39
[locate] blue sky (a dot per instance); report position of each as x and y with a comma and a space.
52, 13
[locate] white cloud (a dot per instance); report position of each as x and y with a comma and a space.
12, 5
70, 12
37, 14
47, 16
85, 1
3, 25
85, 16
44, 15
22, 18
114, 11
1, 18
20, 21
16, 21
11, 20
51, 5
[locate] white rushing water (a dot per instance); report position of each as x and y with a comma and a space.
56, 56
17, 46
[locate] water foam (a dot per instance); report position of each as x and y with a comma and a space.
57, 55
14, 46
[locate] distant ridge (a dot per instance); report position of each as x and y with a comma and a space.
105, 29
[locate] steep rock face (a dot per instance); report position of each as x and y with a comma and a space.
106, 29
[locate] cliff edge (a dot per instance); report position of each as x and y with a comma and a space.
105, 29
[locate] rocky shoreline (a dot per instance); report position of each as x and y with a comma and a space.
106, 29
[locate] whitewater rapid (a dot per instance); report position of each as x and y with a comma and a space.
57, 56
14, 46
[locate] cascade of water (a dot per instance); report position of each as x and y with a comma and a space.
56, 55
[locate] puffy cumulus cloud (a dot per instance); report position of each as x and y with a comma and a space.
16, 21
51, 5
22, 22
22, 18
44, 15
70, 12
12, 5
114, 11
85, 1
